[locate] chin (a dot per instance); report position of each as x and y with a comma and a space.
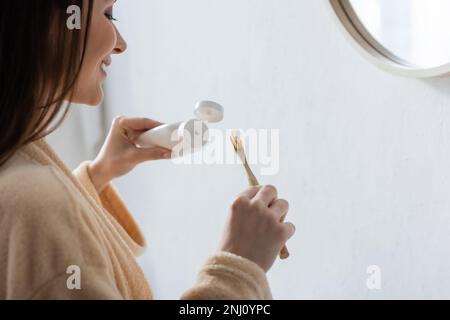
96, 101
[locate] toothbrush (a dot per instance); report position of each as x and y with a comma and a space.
239, 148
240, 151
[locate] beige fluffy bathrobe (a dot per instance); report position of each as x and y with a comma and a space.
52, 218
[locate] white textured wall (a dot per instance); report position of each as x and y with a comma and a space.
365, 156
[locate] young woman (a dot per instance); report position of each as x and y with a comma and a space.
68, 235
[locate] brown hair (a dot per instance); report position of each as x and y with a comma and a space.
40, 60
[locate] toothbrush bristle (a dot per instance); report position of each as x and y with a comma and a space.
236, 141
239, 148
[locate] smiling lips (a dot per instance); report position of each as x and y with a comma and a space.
105, 63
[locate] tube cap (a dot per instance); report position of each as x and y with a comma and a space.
209, 111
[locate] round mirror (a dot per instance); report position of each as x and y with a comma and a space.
409, 37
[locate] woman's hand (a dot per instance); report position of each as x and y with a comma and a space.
255, 229
119, 154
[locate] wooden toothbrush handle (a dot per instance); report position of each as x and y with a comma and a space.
251, 177
284, 253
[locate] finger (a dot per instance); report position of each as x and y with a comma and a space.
139, 124
289, 230
132, 128
281, 208
267, 194
148, 154
250, 192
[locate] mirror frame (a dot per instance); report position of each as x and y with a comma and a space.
373, 50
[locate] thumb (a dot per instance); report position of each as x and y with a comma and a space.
148, 154
289, 230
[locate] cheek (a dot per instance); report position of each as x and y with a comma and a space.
101, 43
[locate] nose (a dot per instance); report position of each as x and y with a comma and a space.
121, 44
